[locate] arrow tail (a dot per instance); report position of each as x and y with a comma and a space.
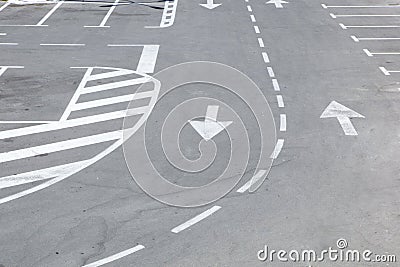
347, 126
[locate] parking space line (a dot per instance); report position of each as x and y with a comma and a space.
375, 38
106, 17
195, 220
47, 16
345, 27
371, 54
115, 256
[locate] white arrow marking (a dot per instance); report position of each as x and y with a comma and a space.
210, 4
343, 114
210, 127
277, 3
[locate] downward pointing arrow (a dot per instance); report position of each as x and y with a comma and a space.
210, 127
210, 4
277, 3
343, 115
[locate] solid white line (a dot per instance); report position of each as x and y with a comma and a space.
4, 6
385, 71
71, 123
265, 57
252, 181
107, 16
355, 39
277, 149
256, 29
115, 256
260, 42
281, 104
368, 53
249, 8
195, 220
276, 85
383, 53
324, 6
253, 19
59, 146
114, 85
283, 123
8, 43
332, 15
342, 26
62, 44
112, 100
378, 38
39, 175
147, 61
271, 72
43, 20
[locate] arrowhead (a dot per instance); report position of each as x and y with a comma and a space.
209, 128
335, 110
210, 6
277, 1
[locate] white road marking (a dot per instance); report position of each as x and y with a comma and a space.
59, 146
26, 122
8, 43
23, 25
168, 16
277, 3
277, 149
210, 4
62, 44
39, 175
381, 6
195, 220
43, 20
367, 52
261, 42
368, 26
355, 39
363, 15
385, 71
256, 29
111, 100
71, 123
275, 84
123, 45
113, 85
249, 9
283, 123
377, 38
109, 74
342, 26
271, 72
106, 17
4, 6
281, 104
4, 68
115, 256
252, 181
343, 115
3, 34
332, 15
265, 57
148, 59
253, 19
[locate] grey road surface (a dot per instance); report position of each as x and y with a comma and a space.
332, 178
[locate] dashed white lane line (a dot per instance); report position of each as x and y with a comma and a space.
8, 43
249, 9
252, 181
195, 220
256, 29
265, 57
3, 34
62, 44
277, 149
47, 16
283, 123
281, 104
253, 19
271, 72
261, 42
115, 256
275, 84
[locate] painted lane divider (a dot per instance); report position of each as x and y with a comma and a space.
115, 256
277, 149
252, 181
195, 220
